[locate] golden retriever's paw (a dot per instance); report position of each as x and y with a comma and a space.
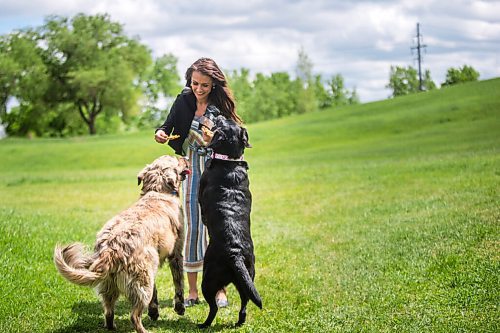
111, 327
179, 308
153, 313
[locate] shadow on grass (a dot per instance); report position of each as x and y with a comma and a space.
90, 318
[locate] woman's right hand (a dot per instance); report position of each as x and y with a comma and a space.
207, 134
161, 136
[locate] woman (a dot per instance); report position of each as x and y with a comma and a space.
205, 96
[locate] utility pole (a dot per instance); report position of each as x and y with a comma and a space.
419, 47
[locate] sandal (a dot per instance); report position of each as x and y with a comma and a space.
222, 303
191, 302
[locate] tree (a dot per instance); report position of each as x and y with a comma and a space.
338, 91
24, 78
304, 67
160, 82
335, 93
243, 90
283, 94
8, 75
353, 97
460, 75
162, 79
304, 84
323, 97
427, 82
94, 66
404, 81
84, 66
305, 97
265, 102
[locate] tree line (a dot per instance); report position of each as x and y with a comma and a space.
80, 75
404, 80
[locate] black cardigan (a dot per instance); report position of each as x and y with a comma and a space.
180, 117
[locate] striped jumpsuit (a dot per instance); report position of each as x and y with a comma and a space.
196, 241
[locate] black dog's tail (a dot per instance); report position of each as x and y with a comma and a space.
246, 281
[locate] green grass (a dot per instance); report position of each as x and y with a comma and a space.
382, 217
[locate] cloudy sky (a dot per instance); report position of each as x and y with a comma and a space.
358, 39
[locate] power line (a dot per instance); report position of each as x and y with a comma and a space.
419, 47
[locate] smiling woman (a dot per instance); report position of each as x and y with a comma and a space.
206, 96
202, 85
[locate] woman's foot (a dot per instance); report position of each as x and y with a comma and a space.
221, 299
222, 303
192, 298
191, 302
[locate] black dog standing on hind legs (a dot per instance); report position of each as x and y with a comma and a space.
225, 202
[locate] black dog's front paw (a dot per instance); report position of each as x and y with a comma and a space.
179, 308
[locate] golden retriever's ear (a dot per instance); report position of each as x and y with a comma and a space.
184, 167
140, 176
184, 173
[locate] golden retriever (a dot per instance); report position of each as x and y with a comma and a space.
132, 246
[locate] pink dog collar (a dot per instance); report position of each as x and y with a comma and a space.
226, 158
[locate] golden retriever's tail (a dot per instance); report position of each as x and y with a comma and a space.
73, 264
246, 281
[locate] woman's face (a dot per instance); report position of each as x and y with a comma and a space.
201, 85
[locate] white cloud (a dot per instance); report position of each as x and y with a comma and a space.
138, 17
482, 31
359, 39
486, 10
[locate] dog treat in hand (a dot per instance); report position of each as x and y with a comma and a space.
173, 136
206, 131
205, 121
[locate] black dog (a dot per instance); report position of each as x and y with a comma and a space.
226, 201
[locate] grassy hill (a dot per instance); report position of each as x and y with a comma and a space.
380, 217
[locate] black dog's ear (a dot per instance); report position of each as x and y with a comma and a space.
244, 138
220, 118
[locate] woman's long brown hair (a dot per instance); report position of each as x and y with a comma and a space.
221, 95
